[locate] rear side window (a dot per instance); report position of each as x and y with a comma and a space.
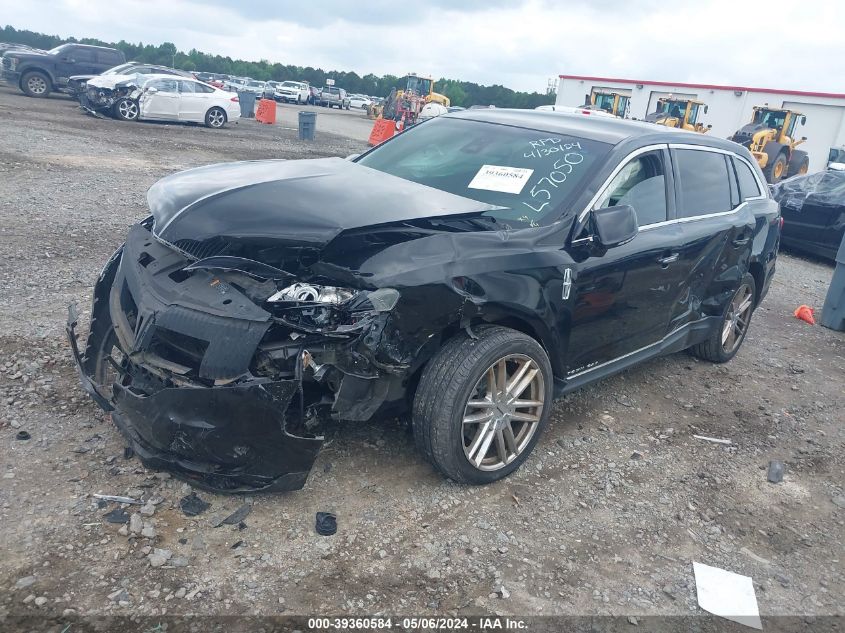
703, 185
641, 183
109, 57
82, 55
748, 187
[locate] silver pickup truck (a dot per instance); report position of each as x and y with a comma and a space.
333, 96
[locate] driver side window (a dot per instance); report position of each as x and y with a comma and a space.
641, 184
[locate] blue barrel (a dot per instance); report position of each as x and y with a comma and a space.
247, 101
307, 125
833, 312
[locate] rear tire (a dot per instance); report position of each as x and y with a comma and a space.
215, 118
725, 341
465, 423
776, 170
36, 84
799, 164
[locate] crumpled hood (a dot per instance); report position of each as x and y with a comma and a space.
296, 201
110, 81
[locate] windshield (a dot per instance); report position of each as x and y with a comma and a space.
530, 173
58, 49
770, 118
120, 70
673, 108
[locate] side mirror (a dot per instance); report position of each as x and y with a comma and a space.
705, 109
803, 138
709, 126
803, 119
616, 225
152, 90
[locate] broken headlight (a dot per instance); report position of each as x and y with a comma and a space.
311, 306
381, 300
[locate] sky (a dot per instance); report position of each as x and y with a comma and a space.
519, 43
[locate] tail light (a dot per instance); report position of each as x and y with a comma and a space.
235, 99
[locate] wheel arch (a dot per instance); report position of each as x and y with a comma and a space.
37, 69
758, 272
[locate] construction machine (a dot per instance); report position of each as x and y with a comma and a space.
771, 139
403, 106
679, 113
610, 102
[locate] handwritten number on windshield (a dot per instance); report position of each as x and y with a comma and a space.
561, 168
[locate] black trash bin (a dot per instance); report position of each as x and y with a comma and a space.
307, 125
833, 312
247, 101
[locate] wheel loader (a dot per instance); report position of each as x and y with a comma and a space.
402, 107
771, 139
679, 113
611, 102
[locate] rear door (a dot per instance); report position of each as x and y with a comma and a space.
626, 299
718, 226
193, 102
162, 102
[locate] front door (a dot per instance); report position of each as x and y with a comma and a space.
160, 100
624, 299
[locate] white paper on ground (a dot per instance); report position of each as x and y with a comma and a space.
504, 179
726, 594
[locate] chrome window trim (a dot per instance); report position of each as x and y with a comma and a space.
671, 146
615, 172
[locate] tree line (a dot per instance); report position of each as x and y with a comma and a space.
461, 93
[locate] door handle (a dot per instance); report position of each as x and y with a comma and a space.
668, 259
741, 241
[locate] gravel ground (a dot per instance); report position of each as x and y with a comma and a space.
605, 518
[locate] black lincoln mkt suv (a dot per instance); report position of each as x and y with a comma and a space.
469, 270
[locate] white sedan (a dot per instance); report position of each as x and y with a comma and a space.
359, 101
167, 98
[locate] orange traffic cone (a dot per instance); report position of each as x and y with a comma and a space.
805, 313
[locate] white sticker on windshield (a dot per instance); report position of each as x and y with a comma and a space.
504, 179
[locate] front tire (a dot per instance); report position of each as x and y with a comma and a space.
799, 164
36, 84
726, 340
776, 170
482, 403
126, 109
215, 118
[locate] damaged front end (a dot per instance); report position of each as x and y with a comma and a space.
221, 368
101, 97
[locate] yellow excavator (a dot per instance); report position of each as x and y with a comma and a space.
611, 102
419, 91
679, 113
771, 139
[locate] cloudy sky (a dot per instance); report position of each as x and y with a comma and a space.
520, 44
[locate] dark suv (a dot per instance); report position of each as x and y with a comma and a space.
38, 73
470, 270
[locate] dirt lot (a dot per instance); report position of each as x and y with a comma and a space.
605, 518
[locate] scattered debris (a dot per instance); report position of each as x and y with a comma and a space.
118, 499
159, 557
236, 517
136, 523
23, 436
118, 515
776, 470
192, 505
711, 439
26, 581
237, 544
147, 509
326, 523
726, 594
633, 620
805, 313
753, 556
636, 455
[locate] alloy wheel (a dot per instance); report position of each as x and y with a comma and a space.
37, 85
737, 319
503, 412
128, 110
216, 118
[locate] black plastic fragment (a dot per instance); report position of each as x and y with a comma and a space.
22, 435
236, 544
326, 524
237, 516
118, 515
192, 505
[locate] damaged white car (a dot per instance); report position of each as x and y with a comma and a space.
161, 98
